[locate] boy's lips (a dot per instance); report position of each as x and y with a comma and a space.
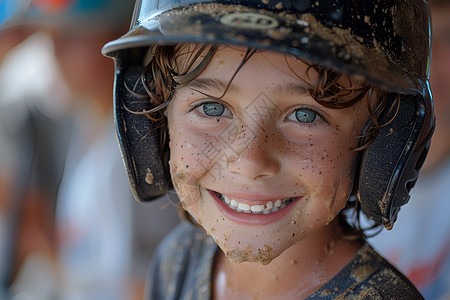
253, 211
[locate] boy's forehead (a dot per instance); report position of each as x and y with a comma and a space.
263, 70
233, 58
277, 60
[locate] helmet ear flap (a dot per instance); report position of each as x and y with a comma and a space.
141, 140
390, 165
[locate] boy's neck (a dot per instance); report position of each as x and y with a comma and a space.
296, 273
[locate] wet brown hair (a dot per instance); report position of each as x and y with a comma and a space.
172, 66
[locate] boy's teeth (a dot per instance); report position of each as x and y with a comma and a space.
267, 208
257, 208
244, 206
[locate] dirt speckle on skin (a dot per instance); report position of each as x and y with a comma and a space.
180, 174
329, 248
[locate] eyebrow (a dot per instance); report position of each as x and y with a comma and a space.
203, 85
211, 84
291, 89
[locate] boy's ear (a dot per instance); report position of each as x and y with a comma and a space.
390, 165
141, 140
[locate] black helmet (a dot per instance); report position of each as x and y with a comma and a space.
384, 42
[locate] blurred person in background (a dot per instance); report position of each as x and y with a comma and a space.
76, 232
27, 188
419, 243
10, 175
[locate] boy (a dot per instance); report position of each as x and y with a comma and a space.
279, 116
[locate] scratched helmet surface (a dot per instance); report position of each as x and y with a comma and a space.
384, 42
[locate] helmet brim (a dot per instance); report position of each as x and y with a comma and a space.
302, 36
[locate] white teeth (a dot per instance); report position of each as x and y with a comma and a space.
244, 206
226, 199
257, 208
265, 209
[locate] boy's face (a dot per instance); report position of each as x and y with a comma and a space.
266, 140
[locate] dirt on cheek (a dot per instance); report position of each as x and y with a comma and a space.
337, 191
187, 191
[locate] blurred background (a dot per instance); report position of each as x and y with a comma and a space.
69, 226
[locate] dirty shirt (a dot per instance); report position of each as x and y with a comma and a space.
182, 269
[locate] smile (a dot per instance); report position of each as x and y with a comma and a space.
265, 209
262, 212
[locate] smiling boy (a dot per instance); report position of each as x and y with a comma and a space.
286, 155
271, 139
289, 155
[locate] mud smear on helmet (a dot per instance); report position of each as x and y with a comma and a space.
345, 45
409, 27
342, 42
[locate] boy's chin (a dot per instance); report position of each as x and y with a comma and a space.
263, 255
252, 247
238, 256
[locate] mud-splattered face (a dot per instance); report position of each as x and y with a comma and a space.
266, 165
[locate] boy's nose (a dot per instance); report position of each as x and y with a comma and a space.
257, 161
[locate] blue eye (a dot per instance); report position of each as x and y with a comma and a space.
303, 116
213, 109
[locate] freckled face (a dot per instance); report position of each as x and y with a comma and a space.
266, 165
